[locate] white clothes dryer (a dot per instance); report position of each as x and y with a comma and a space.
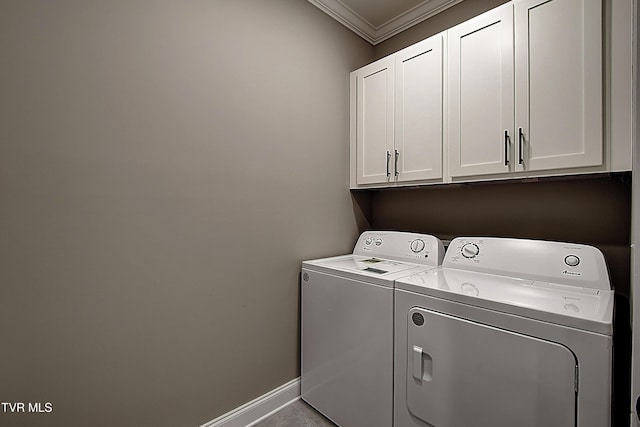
508, 332
347, 325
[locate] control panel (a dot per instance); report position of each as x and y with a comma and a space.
553, 262
401, 246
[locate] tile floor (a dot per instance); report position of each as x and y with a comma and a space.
296, 414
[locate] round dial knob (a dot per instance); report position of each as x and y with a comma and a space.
470, 250
571, 260
368, 241
417, 245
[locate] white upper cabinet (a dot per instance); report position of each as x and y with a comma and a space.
539, 110
374, 122
516, 92
481, 94
399, 116
558, 45
419, 111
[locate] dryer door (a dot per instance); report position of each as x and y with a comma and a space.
462, 373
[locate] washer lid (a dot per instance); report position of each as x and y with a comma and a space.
582, 308
370, 269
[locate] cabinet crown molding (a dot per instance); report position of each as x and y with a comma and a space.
346, 12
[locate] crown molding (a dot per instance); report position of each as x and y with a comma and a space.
374, 35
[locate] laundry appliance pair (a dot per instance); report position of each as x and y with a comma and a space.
496, 332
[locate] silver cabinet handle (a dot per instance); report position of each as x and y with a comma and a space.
396, 163
520, 145
506, 148
388, 158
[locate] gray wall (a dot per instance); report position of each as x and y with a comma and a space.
164, 168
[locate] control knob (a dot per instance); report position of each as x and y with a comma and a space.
571, 260
470, 250
417, 245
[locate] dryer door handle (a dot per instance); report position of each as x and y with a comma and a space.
422, 369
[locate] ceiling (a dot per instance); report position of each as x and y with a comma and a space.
377, 20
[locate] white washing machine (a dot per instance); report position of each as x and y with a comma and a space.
347, 325
508, 332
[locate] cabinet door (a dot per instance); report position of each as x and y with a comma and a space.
481, 94
418, 106
374, 128
559, 83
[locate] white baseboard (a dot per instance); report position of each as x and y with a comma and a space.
260, 408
